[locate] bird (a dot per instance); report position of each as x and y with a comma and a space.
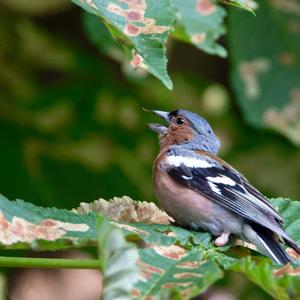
200, 191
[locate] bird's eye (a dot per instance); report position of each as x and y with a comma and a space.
180, 121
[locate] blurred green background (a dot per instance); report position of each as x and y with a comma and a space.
72, 127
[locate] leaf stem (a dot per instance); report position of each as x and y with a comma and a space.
50, 263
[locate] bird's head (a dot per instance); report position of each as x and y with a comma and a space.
187, 129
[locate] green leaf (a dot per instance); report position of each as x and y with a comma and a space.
277, 283
289, 210
249, 5
174, 258
266, 66
202, 21
190, 272
142, 26
262, 274
170, 259
119, 258
24, 225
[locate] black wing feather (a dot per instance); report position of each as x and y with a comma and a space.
233, 197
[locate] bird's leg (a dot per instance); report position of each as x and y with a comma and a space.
222, 239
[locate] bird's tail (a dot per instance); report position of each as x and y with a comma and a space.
267, 243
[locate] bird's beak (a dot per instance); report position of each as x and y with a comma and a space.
158, 127
163, 114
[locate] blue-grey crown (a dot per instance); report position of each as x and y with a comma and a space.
197, 122
204, 139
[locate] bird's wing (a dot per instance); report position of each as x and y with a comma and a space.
222, 184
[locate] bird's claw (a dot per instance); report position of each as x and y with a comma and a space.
222, 239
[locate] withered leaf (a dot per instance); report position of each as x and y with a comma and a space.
124, 209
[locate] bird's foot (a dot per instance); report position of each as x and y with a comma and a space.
222, 239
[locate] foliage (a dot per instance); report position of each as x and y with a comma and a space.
125, 209
265, 72
119, 261
245, 4
72, 126
142, 27
196, 15
170, 258
252, 66
262, 274
66, 114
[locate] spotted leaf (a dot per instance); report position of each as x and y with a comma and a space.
166, 258
26, 225
140, 25
175, 258
174, 267
120, 270
202, 21
264, 275
142, 28
266, 65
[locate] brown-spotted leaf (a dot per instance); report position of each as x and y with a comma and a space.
266, 65
119, 267
24, 224
273, 281
202, 21
141, 26
170, 257
169, 267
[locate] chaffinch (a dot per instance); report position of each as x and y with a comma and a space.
201, 191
